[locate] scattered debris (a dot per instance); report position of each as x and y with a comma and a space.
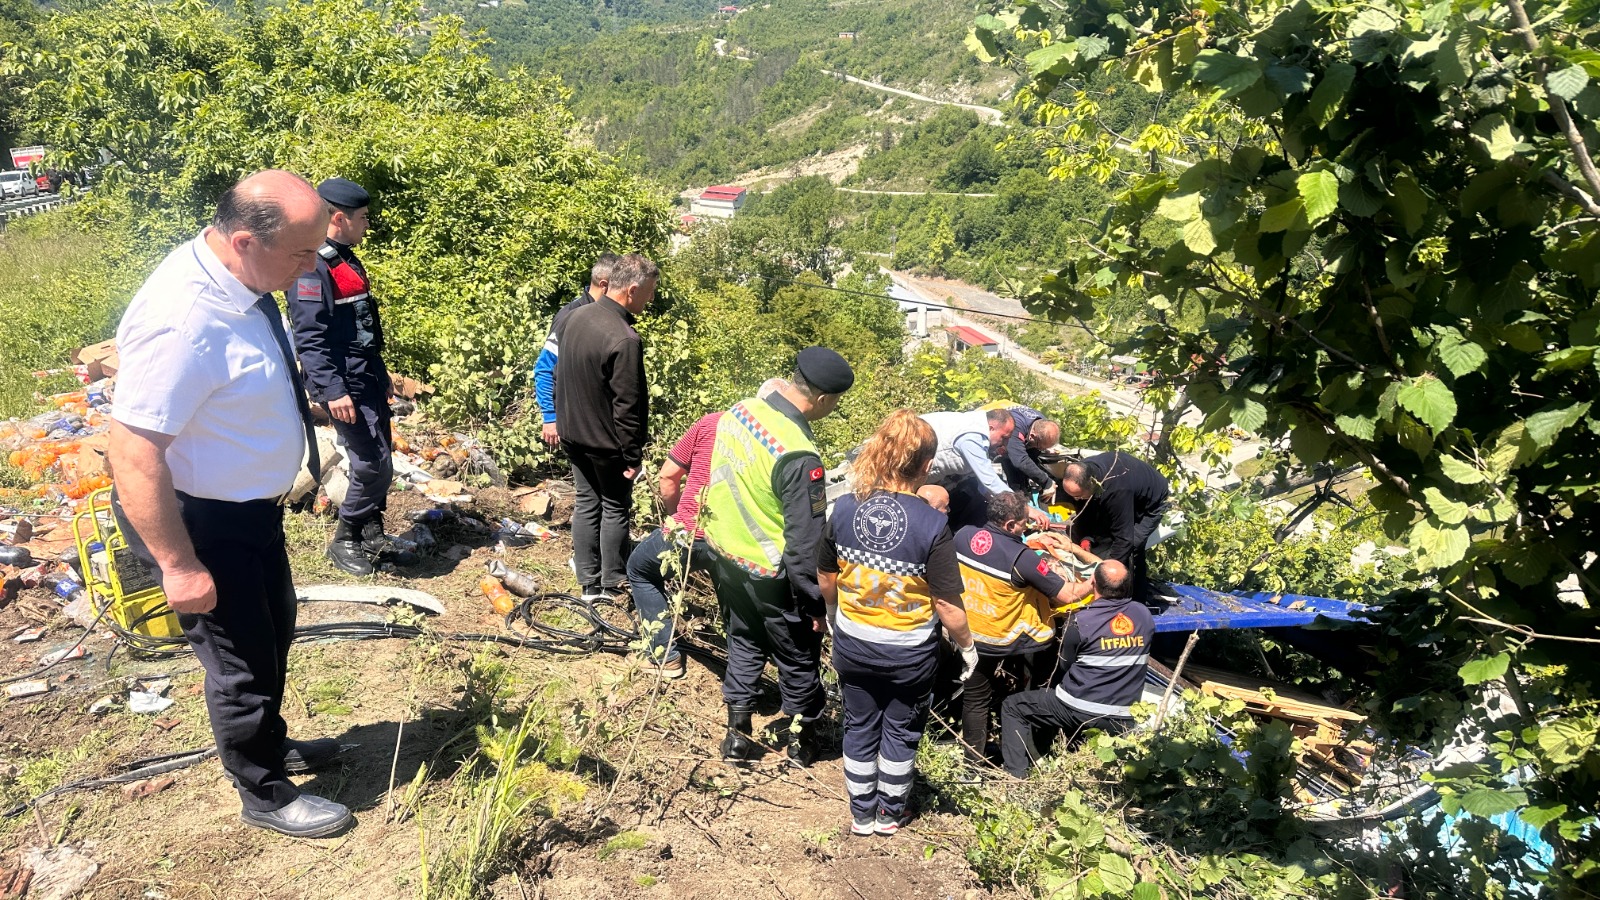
104, 705
168, 724
148, 703
59, 872
22, 689
28, 635
138, 790
76, 651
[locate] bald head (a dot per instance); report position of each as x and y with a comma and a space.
267, 229
1043, 435
1111, 580
937, 497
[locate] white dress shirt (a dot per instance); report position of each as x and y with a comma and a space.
199, 362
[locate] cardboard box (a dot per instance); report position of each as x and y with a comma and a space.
99, 359
409, 388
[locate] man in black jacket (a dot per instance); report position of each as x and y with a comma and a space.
339, 338
603, 405
1122, 499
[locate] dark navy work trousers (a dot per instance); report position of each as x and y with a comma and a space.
243, 644
367, 442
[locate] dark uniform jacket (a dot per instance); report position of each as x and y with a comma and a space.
802, 492
1104, 652
893, 555
602, 402
1118, 518
337, 332
1021, 465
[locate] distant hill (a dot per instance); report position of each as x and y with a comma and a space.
690, 95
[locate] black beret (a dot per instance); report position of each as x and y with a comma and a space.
825, 370
344, 193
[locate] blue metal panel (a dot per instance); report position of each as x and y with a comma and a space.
1197, 609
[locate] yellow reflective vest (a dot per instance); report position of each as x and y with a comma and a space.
744, 515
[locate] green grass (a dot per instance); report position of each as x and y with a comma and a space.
628, 840
58, 291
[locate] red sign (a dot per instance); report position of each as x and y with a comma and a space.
1121, 625
22, 156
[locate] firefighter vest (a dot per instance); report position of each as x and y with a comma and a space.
883, 544
1004, 618
1107, 676
744, 516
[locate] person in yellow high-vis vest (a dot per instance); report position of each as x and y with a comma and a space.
1013, 596
763, 511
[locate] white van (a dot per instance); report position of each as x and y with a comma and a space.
16, 184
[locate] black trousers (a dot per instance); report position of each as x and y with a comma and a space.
243, 644
1030, 721
1139, 561
367, 441
601, 516
762, 623
984, 692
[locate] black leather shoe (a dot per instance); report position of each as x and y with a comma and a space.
301, 757
306, 817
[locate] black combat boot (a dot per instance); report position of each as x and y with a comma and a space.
738, 745
804, 746
373, 538
346, 550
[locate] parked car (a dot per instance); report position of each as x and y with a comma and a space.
16, 184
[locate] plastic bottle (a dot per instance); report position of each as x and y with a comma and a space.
520, 583
499, 597
431, 516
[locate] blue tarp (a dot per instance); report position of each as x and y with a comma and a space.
1198, 609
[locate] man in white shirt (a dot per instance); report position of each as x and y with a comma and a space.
964, 462
209, 430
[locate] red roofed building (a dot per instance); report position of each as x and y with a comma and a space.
721, 201
963, 338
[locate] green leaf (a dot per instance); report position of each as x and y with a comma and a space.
988, 22
1497, 136
1228, 73
1443, 547
1539, 815
1330, 92
1197, 236
1446, 510
1144, 890
1428, 399
1409, 203
1283, 216
1567, 741
1458, 471
1288, 79
1486, 668
1487, 803
1044, 58
1179, 207
1544, 426
1358, 197
1320, 191
1117, 873
1567, 83
1461, 356
1360, 427
1092, 46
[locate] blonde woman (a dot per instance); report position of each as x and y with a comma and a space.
889, 569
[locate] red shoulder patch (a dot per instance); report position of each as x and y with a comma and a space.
1044, 567
982, 542
817, 473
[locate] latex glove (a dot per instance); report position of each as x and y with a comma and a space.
969, 661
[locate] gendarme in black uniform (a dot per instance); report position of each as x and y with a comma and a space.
1124, 511
339, 338
1104, 651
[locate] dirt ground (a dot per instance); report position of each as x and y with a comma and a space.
663, 816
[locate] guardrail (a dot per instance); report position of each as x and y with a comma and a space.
16, 209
